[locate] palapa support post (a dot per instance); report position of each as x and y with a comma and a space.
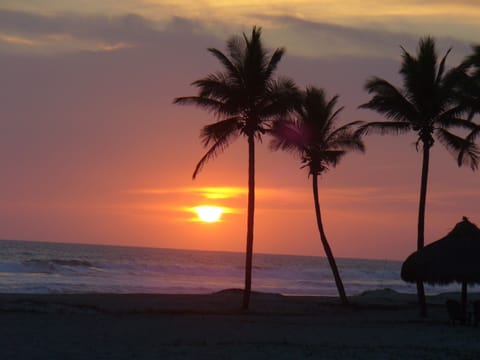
464, 300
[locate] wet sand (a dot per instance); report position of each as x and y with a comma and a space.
377, 325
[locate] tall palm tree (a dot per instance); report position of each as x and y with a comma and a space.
245, 98
311, 134
427, 105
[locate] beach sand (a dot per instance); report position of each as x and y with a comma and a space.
379, 324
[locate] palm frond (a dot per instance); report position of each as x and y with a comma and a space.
347, 137
236, 50
255, 63
351, 126
469, 156
330, 108
451, 119
220, 129
474, 58
465, 151
351, 143
322, 162
212, 105
474, 133
229, 65
282, 97
273, 63
388, 100
335, 113
470, 96
219, 146
452, 80
218, 85
451, 141
420, 83
385, 127
441, 67
333, 157
288, 136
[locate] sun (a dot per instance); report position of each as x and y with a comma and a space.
209, 214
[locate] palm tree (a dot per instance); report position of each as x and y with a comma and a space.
428, 105
245, 98
312, 135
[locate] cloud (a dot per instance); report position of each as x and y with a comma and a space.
77, 32
218, 192
288, 198
303, 36
322, 39
18, 40
126, 27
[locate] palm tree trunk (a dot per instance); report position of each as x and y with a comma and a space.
250, 218
421, 223
326, 246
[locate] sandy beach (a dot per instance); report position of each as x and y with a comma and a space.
378, 325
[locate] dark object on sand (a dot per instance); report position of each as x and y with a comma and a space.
454, 258
455, 312
476, 312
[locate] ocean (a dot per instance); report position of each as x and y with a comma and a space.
41, 267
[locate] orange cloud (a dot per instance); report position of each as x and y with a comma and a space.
18, 40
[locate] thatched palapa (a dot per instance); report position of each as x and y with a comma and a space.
454, 258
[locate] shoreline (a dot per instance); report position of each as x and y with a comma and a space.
224, 301
379, 324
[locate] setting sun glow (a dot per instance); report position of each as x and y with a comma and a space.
209, 214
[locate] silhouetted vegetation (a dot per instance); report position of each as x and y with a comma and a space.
312, 135
427, 104
248, 101
246, 98
470, 92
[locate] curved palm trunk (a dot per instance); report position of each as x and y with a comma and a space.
326, 246
421, 223
250, 218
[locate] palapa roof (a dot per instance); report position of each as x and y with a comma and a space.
453, 258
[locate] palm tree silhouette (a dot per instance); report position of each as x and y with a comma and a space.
245, 98
428, 105
311, 134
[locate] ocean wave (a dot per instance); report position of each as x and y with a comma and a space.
42, 266
55, 265
49, 267
71, 262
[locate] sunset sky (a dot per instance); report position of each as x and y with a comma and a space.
92, 150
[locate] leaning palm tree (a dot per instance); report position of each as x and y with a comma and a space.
245, 98
427, 104
311, 134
